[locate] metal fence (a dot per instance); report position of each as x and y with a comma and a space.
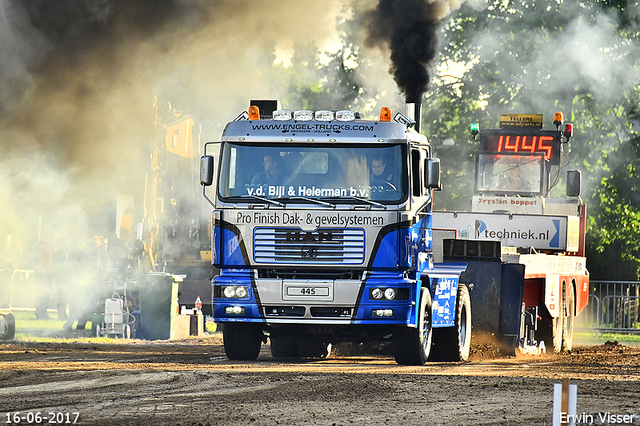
614, 307
18, 289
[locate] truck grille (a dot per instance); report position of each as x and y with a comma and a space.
292, 245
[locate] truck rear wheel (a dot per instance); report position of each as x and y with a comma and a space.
283, 348
411, 346
454, 343
567, 329
7, 327
242, 341
290, 348
550, 330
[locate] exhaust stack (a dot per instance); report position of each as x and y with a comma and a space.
414, 112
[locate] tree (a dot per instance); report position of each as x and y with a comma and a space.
580, 58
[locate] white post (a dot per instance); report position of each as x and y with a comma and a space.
557, 403
565, 398
573, 403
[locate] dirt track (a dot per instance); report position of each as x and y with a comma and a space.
191, 383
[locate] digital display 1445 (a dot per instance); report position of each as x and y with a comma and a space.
523, 141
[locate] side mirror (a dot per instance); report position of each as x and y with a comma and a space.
432, 173
573, 183
206, 170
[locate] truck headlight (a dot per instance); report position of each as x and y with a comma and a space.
390, 294
241, 292
377, 293
235, 292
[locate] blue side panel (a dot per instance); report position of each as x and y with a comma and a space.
445, 290
216, 246
386, 255
422, 239
443, 280
425, 227
413, 240
231, 251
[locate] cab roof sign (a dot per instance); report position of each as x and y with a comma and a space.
521, 120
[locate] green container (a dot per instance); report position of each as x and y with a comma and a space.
158, 294
96, 320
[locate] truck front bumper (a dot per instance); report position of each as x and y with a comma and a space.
378, 299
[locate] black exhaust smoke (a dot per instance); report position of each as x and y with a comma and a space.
409, 28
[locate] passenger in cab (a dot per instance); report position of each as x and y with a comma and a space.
379, 174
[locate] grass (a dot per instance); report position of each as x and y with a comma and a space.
590, 338
30, 329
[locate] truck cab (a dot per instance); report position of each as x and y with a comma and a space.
321, 230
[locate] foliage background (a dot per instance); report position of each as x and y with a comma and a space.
77, 81
579, 58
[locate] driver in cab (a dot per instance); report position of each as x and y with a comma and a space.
513, 180
381, 179
274, 171
379, 173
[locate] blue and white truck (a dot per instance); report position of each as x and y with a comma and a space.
316, 246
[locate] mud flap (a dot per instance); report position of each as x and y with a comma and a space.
511, 292
496, 298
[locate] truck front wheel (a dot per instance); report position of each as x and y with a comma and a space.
242, 341
454, 343
411, 346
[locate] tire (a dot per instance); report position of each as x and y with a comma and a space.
569, 323
283, 348
8, 332
411, 346
242, 341
126, 331
550, 330
98, 331
453, 344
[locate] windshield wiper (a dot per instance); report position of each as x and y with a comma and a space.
266, 200
313, 200
364, 200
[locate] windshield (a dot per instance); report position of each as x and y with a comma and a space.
336, 172
505, 174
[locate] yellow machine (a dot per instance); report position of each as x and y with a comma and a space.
167, 228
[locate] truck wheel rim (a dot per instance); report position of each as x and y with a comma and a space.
463, 327
426, 330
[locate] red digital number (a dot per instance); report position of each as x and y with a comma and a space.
505, 143
530, 147
519, 143
546, 148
